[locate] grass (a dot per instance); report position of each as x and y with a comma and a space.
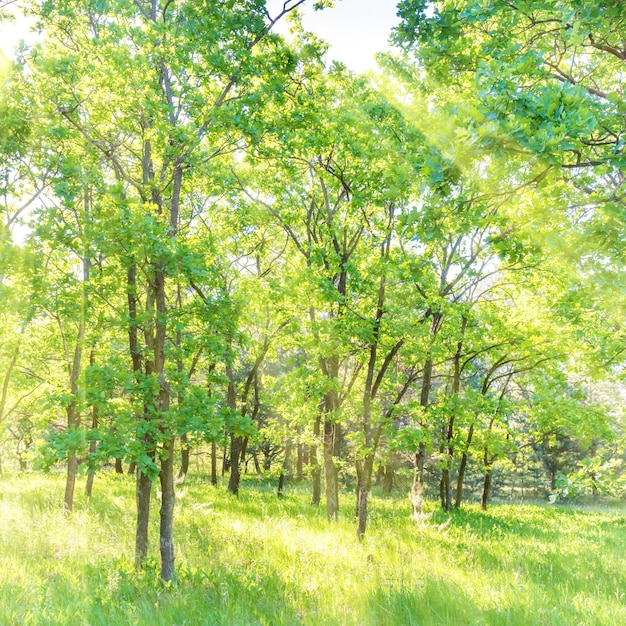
260, 560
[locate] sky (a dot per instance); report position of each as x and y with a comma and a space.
355, 29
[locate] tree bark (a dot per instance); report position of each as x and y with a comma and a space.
143, 490
300, 464
331, 474
284, 470
316, 470
167, 512
214, 463
364, 488
184, 458
463, 467
486, 489
388, 478
92, 443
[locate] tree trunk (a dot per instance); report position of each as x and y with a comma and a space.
167, 512
142, 495
214, 463
363, 489
238, 447
388, 478
225, 458
184, 458
70, 483
300, 464
486, 489
284, 470
132, 468
119, 468
418, 487
316, 470
462, 468
331, 474
92, 443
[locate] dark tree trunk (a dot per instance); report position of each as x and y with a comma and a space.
331, 474
132, 468
418, 487
184, 458
119, 468
167, 512
462, 468
214, 463
238, 447
486, 489
225, 459
142, 494
235, 449
70, 483
281, 478
92, 443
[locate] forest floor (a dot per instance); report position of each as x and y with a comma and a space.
260, 560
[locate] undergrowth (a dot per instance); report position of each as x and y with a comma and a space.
257, 559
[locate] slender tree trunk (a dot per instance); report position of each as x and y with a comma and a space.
486, 488
388, 478
316, 470
214, 463
284, 470
132, 468
225, 458
184, 458
119, 468
463, 467
300, 464
167, 512
418, 487
331, 474
364, 489
70, 483
237, 453
143, 489
92, 443
257, 465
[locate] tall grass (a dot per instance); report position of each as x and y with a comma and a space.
260, 560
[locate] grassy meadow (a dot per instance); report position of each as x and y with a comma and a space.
260, 560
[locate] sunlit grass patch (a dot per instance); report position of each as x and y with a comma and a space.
260, 560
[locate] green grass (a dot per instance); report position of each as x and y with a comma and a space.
260, 560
